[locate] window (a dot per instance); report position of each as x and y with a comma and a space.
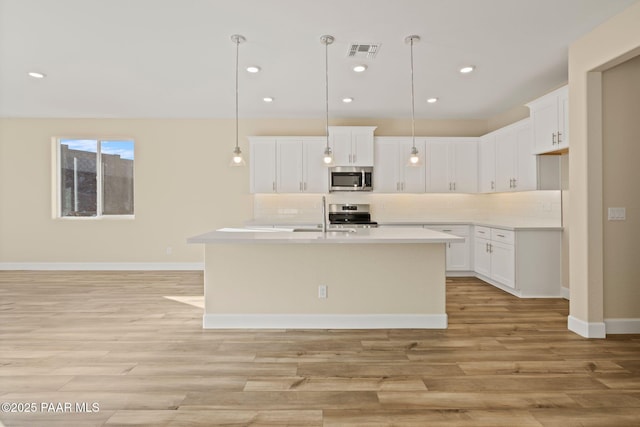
95, 177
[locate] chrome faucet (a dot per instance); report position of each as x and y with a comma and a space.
324, 214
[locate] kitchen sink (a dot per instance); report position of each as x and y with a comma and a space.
317, 230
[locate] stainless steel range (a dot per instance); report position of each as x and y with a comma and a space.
351, 215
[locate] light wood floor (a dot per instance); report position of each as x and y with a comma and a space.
114, 339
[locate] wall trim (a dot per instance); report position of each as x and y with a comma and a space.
566, 292
622, 326
324, 321
586, 329
97, 266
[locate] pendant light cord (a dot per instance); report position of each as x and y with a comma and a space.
413, 114
237, 66
326, 86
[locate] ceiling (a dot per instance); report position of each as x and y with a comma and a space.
175, 59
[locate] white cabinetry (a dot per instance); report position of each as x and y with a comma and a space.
507, 162
352, 145
453, 165
458, 254
288, 165
262, 170
487, 163
515, 162
550, 119
391, 171
525, 263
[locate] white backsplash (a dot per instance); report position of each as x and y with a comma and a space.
539, 207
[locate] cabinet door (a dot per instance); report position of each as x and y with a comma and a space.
289, 155
563, 119
385, 168
414, 177
544, 117
465, 161
439, 179
263, 166
362, 151
487, 164
481, 256
315, 172
503, 262
506, 148
526, 165
340, 142
458, 256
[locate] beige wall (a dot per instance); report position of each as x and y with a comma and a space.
183, 185
608, 45
621, 175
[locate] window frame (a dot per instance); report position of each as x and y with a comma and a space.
57, 181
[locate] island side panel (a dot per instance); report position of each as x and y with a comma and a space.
369, 285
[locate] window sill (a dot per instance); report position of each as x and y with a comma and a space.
98, 218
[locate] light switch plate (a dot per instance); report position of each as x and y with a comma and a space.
617, 214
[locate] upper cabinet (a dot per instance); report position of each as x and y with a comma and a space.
453, 165
352, 145
287, 165
507, 162
392, 174
487, 163
550, 121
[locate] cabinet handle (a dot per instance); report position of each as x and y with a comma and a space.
515, 183
446, 231
402, 185
449, 186
304, 186
273, 185
490, 248
354, 158
449, 244
481, 232
486, 249
559, 137
397, 186
500, 235
553, 138
454, 186
493, 185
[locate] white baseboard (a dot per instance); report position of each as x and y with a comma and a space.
101, 266
587, 329
324, 321
622, 326
566, 293
460, 273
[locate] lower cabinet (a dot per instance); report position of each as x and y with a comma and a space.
458, 254
526, 263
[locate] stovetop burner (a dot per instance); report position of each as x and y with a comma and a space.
351, 215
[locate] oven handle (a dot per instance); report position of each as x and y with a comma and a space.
364, 183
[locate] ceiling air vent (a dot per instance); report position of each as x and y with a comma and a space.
360, 50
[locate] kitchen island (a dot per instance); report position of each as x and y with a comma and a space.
370, 278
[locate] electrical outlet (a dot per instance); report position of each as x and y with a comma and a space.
322, 291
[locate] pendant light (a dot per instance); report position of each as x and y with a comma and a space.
326, 40
237, 159
414, 157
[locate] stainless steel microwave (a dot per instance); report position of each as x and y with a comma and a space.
351, 178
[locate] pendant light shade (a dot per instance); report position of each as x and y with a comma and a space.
237, 159
414, 156
326, 40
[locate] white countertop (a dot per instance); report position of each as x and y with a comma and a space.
505, 224
405, 235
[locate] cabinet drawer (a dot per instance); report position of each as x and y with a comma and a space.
482, 232
456, 230
504, 236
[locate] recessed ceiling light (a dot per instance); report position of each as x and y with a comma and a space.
267, 99
432, 100
347, 100
36, 75
253, 69
359, 68
467, 69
